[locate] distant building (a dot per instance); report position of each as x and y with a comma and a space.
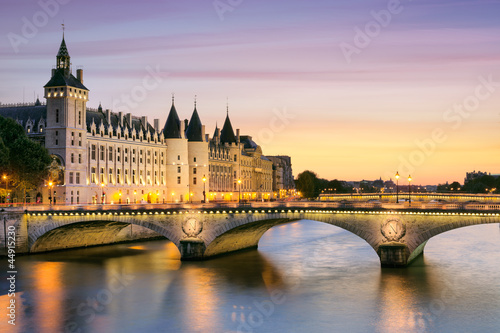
474, 175
283, 180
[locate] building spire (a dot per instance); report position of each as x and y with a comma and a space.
195, 101
173, 98
63, 58
227, 106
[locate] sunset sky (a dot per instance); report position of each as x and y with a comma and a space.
350, 89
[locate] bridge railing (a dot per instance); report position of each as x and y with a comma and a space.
265, 205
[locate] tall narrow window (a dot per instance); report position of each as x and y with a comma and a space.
93, 176
57, 138
57, 115
93, 154
80, 139
78, 178
80, 158
72, 158
79, 117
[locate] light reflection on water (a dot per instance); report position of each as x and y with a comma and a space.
306, 276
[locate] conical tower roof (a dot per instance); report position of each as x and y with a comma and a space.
227, 133
172, 129
194, 130
63, 50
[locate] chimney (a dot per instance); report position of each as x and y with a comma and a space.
120, 115
79, 75
129, 119
108, 116
144, 121
183, 128
157, 125
237, 135
206, 137
203, 131
53, 72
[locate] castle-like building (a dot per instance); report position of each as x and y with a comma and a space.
101, 156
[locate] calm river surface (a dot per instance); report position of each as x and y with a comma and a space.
305, 277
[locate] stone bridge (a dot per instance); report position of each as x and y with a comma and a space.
201, 232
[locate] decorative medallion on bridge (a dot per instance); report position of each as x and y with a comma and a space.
192, 227
393, 229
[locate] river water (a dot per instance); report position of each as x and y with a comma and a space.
305, 277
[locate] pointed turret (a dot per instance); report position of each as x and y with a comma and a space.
194, 130
63, 58
227, 133
172, 129
61, 75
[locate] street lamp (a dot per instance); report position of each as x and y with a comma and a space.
120, 197
397, 187
204, 188
409, 190
239, 190
50, 191
5, 179
102, 195
173, 193
135, 193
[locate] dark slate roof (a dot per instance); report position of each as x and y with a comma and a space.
248, 143
59, 79
23, 113
63, 50
227, 133
194, 130
216, 132
97, 117
172, 129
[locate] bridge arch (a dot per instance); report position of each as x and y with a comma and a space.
417, 246
61, 234
246, 233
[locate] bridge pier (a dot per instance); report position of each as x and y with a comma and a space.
192, 249
393, 254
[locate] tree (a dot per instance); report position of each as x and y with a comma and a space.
23, 160
308, 184
482, 184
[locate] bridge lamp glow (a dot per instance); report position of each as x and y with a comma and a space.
397, 186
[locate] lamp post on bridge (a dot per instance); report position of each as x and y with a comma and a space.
409, 190
50, 193
239, 191
397, 187
102, 193
204, 188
